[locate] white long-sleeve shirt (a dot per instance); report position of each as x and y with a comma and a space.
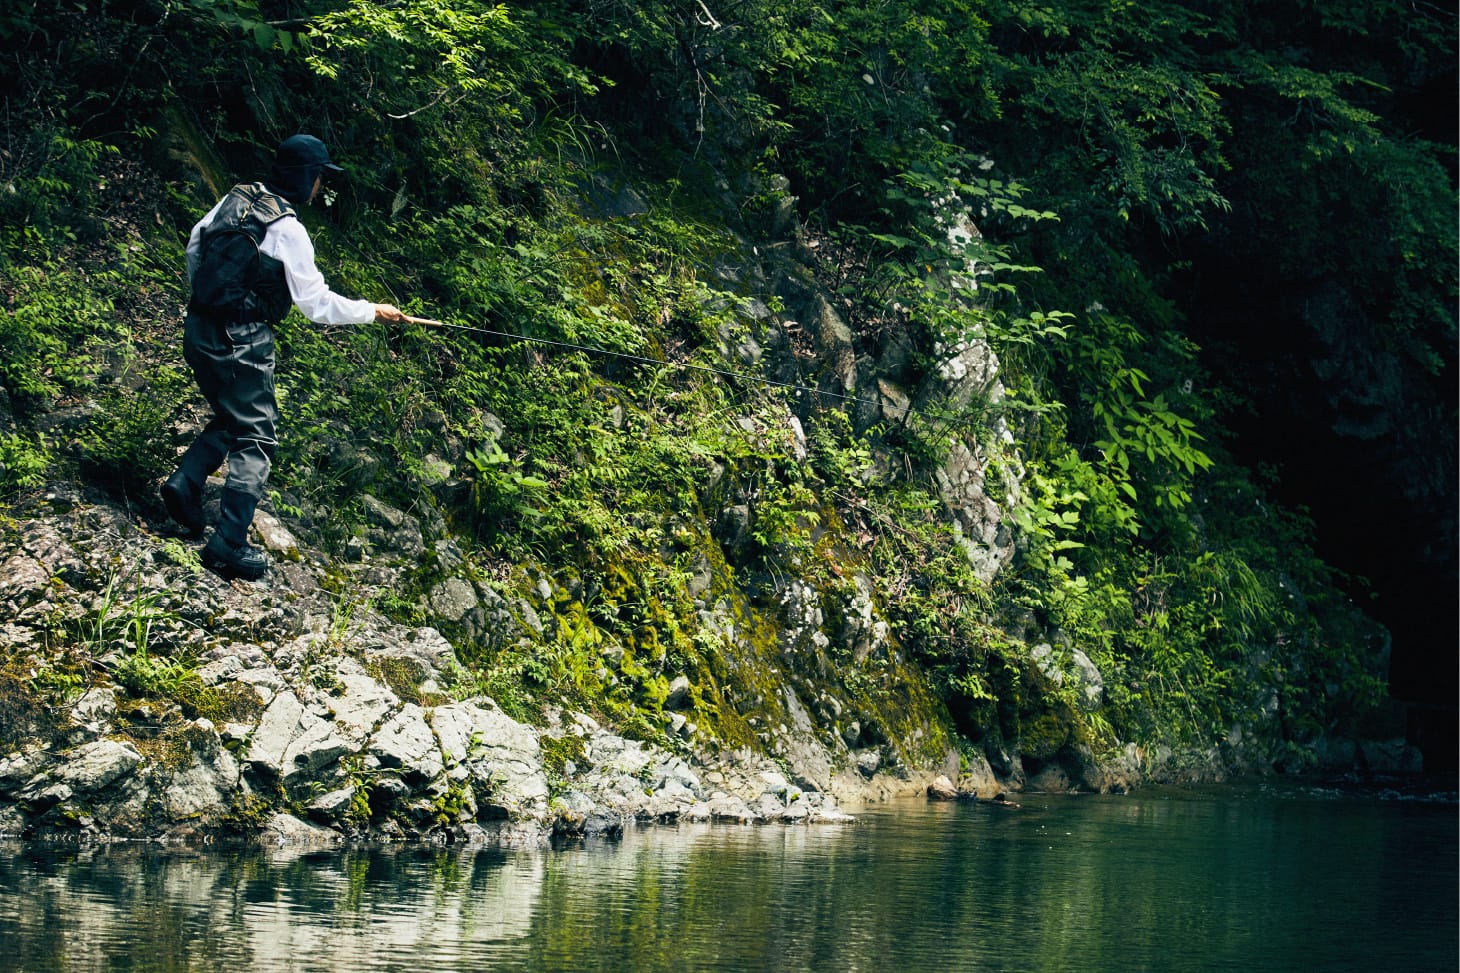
287, 242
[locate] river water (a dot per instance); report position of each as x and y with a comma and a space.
1251, 878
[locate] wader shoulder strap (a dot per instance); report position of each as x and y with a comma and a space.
257, 203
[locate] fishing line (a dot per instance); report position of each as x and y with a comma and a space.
907, 410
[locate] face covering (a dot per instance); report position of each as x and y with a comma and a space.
294, 183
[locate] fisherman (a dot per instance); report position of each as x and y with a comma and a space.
248, 260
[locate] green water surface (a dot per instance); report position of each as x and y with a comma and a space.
1245, 878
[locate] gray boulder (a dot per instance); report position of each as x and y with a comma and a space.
501, 755
406, 743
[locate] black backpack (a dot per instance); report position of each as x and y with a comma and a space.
230, 266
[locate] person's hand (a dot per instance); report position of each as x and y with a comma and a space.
389, 314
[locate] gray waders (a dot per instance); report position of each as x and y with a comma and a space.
231, 352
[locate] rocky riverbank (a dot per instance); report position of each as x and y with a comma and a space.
146, 698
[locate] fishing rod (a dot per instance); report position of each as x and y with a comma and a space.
743, 376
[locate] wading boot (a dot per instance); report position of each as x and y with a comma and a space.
228, 552
181, 498
234, 560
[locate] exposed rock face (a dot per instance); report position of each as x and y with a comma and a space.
986, 539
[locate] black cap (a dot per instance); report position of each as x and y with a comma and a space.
304, 152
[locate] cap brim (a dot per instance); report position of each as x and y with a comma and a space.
331, 167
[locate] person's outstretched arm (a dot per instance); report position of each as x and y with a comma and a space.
289, 243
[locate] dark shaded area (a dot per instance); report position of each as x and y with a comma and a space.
1392, 535
1334, 403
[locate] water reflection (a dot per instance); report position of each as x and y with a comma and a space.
138, 907
1239, 879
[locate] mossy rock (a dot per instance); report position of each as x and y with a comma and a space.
25, 711
1045, 736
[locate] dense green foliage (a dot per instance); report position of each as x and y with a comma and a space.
491, 148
